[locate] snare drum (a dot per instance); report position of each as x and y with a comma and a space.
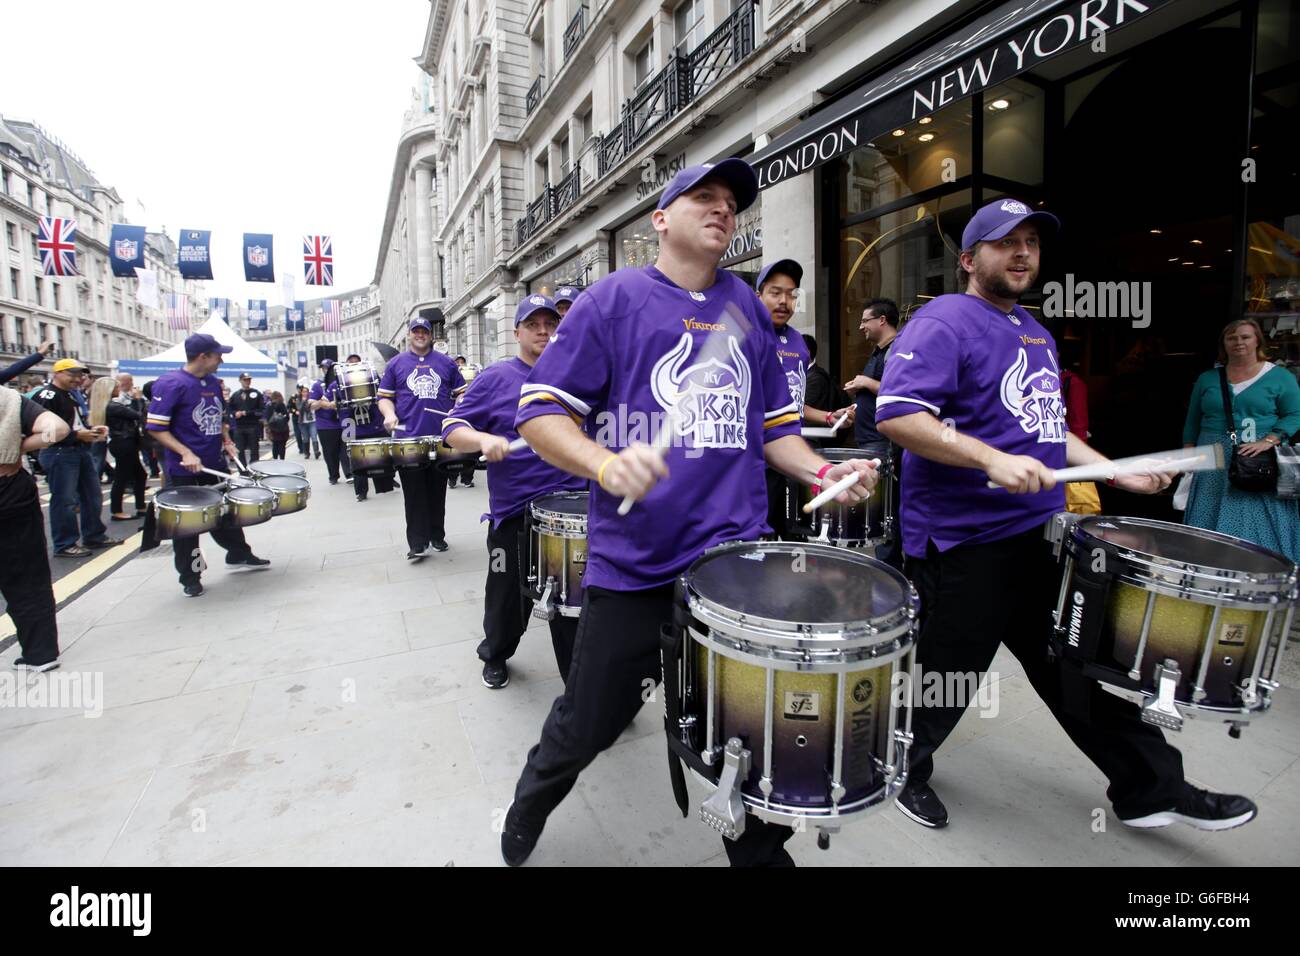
187, 511
370, 456
247, 506
1184, 621
411, 452
265, 469
870, 521
557, 554
787, 694
358, 385
291, 494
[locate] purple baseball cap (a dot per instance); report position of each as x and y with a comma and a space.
420, 322
566, 293
534, 303
200, 343
787, 267
1001, 216
736, 173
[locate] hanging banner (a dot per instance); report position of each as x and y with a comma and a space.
220, 307
283, 356
57, 246
146, 290
193, 254
302, 359
318, 260
286, 289
293, 318
259, 264
256, 315
126, 250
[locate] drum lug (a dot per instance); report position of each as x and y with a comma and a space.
544, 609
1161, 709
724, 810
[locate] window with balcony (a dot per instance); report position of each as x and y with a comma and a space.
688, 25
643, 63
36, 249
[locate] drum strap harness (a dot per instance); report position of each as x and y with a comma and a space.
671, 638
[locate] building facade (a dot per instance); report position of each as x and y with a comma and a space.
296, 351
93, 317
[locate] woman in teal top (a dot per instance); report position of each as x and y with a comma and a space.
1265, 409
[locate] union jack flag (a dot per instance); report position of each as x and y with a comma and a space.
331, 316
58, 246
318, 259
178, 311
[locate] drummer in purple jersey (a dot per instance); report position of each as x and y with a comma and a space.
484, 422
329, 428
187, 418
629, 351
354, 429
972, 392
778, 288
415, 395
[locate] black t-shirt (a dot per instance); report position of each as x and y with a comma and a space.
61, 403
250, 402
864, 425
19, 491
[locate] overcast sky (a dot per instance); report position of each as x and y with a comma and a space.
274, 116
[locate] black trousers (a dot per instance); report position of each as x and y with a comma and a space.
383, 482
778, 509
615, 660
424, 492
129, 472
336, 453
464, 473
891, 552
278, 446
974, 597
247, 441
185, 551
25, 583
506, 609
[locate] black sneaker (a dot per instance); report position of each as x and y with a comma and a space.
193, 590
361, 497
348, 479
920, 803
469, 484
22, 664
439, 545
1201, 809
252, 562
417, 555
72, 551
104, 542
517, 840
495, 676
334, 481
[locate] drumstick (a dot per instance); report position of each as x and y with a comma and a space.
516, 445
1193, 459
815, 431
844, 484
840, 421
662, 442
214, 472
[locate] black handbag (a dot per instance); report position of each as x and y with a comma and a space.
1256, 473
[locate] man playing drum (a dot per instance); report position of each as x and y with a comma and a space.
484, 421
353, 429
630, 351
415, 393
187, 417
972, 392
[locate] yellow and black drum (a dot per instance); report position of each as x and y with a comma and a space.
787, 690
1184, 621
557, 554
358, 384
869, 522
188, 511
370, 456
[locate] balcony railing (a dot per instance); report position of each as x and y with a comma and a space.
721, 50
540, 211
575, 31
534, 94
568, 190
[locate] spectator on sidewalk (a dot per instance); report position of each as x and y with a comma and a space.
307, 419
93, 397
247, 408
277, 424
22, 365
148, 447
25, 581
125, 417
825, 392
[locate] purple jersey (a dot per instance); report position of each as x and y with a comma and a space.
192, 410
991, 376
489, 405
420, 388
327, 419
792, 351
627, 351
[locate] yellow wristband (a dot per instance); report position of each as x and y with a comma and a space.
600, 472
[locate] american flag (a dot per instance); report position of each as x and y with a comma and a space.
331, 317
178, 311
58, 246
318, 259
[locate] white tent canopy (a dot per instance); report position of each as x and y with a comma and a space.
265, 371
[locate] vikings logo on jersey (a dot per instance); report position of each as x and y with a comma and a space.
423, 382
798, 381
1035, 399
711, 397
207, 416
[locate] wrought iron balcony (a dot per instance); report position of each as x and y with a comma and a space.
575, 31
568, 190
534, 94
539, 212
721, 50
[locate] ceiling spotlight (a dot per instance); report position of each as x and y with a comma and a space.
1189, 263
926, 120
1174, 259
1156, 232
1206, 267
926, 137
1197, 242
999, 104
900, 132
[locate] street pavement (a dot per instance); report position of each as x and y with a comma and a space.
329, 711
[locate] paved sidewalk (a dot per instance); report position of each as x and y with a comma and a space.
329, 711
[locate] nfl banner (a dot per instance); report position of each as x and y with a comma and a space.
318, 259
126, 250
283, 356
259, 263
220, 307
193, 255
57, 245
294, 320
256, 315
302, 359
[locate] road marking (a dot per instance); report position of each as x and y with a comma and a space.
74, 582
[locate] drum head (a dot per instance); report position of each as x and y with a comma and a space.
568, 503
286, 483
1184, 545
837, 455
799, 584
194, 496
250, 495
268, 468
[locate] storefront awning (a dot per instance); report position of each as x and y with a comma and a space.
1017, 36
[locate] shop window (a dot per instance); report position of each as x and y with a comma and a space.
1013, 132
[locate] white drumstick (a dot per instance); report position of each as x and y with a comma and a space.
842, 419
1107, 470
213, 471
516, 445
813, 431
845, 483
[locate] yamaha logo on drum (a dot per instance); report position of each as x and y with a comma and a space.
1076, 619
862, 690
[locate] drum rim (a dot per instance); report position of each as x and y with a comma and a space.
884, 468
207, 489
854, 640
230, 494
541, 515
